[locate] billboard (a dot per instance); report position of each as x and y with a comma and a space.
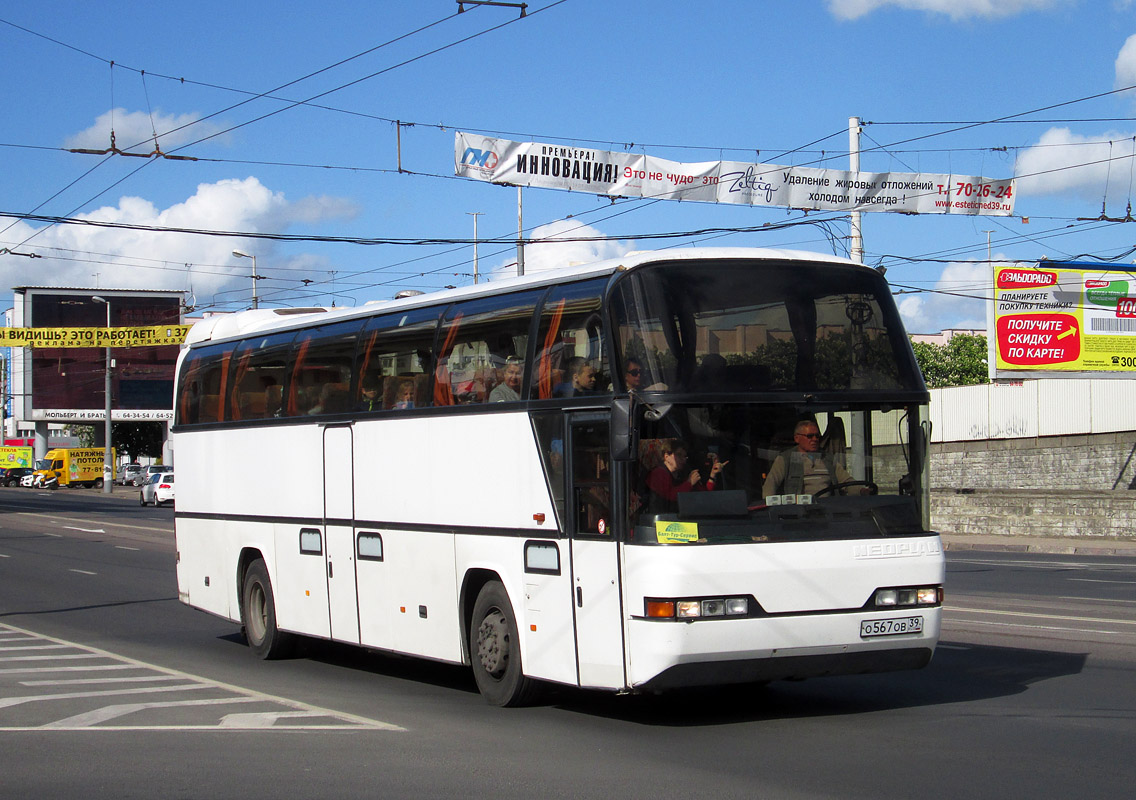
59, 379
1063, 319
622, 174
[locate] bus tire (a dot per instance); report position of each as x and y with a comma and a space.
258, 615
495, 649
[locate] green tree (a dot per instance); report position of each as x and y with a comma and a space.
959, 362
137, 439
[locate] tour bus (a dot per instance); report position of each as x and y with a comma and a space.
482, 486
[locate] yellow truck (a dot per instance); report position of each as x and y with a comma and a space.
74, 466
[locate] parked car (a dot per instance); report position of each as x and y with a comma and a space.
144, 476
146, 495
128, 473
12, 475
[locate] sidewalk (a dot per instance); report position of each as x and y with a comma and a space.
1080, 546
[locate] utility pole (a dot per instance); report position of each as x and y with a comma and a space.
520, 237
857, 249
255, 277
475, 215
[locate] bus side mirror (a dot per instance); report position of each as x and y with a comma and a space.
624, 432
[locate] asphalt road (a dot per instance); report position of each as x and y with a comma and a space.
111, 688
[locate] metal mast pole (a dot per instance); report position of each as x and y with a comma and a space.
857, 248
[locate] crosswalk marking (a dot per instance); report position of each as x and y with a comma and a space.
72, 710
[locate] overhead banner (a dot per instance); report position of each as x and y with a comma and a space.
635, 175
151, 336
1062, 318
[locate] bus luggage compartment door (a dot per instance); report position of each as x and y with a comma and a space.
339, 527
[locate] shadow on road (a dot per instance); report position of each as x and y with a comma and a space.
958, 674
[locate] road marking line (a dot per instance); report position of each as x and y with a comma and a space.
4, 648
50, 658
84, 530
1041, 616
1100, 580
1042, 627
57, 518
86, 681
83, 572
8, 702
124, 547
1098, 599
89, 719
14, 670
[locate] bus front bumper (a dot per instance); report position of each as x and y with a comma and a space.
670, 654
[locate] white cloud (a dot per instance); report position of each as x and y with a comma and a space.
1126, 64
1065, 162
554, 254
958, 302
955, 9
82, 256
134, 131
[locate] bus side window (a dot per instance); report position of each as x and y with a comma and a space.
322, 367
396, 349
199, 395
480, 339
258, 364
571, 327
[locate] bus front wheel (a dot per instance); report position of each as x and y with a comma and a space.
495, 650
258, 615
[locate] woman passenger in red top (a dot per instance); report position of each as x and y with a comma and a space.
667, 481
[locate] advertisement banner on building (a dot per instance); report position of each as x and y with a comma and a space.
1059, 319
615, 174
150, 336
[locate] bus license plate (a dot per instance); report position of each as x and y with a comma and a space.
890, 627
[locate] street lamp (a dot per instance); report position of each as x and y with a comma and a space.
255, 277
108, 467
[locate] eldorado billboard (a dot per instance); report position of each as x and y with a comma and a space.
1065, 318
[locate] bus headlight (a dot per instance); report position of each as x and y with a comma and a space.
700, 608
907, 597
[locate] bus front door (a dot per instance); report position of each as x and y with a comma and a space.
339, 527
595, 556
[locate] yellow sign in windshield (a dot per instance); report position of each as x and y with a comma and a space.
676, 532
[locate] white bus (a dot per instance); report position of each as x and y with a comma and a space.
490, 475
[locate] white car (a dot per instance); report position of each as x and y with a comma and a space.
148, 494
164, 489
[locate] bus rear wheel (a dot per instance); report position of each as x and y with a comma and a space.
258, 615
494, 648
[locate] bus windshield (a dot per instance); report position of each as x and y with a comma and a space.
776, 326
788, 472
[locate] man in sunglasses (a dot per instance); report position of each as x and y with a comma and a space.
633, 374
804, 469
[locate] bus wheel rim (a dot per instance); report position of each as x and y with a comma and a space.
493, 643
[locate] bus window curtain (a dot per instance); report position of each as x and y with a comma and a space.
544, 380
294, 380
443, 392
238, 379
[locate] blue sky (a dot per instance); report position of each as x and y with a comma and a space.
733, 79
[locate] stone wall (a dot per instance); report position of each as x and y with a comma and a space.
1101, 462
1073, 486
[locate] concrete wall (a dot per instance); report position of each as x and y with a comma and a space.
1040, 458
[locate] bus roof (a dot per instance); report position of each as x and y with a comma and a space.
242, 323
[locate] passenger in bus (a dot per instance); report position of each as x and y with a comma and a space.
804, 469
509, 389
633, 374
370, 400
404, 394
667, 481
581, 379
